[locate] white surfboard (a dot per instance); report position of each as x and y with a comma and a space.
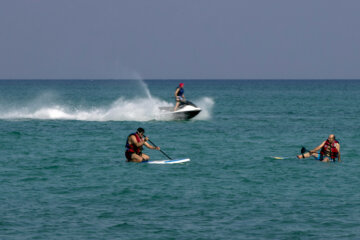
173, 161
280, 158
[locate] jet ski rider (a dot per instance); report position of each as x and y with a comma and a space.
179, 95
134, 147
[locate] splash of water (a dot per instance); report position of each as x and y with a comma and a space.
206, 104
142, 84
119, 110
146, 108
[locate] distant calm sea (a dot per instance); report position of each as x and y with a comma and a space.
63, 173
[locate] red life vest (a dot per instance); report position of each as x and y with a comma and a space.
333, 152
132, 147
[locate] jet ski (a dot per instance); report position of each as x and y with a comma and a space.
185, 111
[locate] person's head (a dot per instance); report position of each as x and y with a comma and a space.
331, 138
181, 85
140, 131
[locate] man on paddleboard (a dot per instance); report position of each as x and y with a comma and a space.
134, 146
179, 95
329, 151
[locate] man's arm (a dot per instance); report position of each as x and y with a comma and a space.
339, 155
150, 146
318, 147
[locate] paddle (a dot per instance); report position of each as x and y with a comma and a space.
160, 149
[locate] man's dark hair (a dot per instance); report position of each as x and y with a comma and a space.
140, 130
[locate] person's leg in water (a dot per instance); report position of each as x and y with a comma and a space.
145, 157
307, 154
326, 159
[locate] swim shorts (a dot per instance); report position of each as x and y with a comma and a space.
129, 154
321, 157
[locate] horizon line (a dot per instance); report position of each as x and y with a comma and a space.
181, 79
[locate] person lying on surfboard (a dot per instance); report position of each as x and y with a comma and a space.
329, 151
134, 146
179, 95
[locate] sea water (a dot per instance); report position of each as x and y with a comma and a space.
63, 173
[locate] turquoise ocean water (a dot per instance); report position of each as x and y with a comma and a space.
63, 173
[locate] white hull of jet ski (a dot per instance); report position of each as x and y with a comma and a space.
186, 110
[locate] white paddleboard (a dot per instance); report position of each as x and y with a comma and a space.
173, 161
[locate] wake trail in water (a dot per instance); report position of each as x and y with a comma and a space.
50, 106
122, 109
141, 109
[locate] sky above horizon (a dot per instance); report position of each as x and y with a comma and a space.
186, 39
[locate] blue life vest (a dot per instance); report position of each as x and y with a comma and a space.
180, 92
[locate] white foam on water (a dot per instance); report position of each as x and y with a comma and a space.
45, 106
140, 109
206, 104
120, 110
